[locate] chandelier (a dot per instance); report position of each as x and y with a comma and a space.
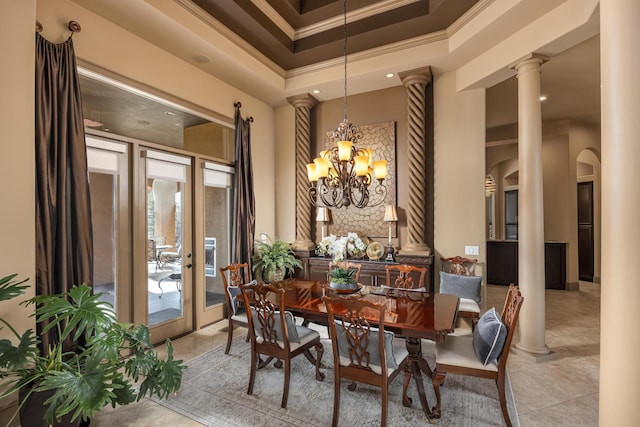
345, 174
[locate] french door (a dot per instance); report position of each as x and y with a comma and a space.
163, 300
107, 162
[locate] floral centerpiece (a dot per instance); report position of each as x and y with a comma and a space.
340, 248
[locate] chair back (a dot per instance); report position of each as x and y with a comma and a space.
459, 265
232, 276
267, 328
408, 276
510, 313
357, 345
347, 265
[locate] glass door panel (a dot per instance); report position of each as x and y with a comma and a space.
217, 237
108, 183
167, 243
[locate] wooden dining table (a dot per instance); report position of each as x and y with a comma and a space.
412, 315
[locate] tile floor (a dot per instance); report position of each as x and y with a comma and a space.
558, 392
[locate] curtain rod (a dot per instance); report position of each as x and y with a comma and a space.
74, 27
238, 104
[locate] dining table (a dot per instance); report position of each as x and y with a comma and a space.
412, 315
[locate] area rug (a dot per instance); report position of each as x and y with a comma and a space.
214, 393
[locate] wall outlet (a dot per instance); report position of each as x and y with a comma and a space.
472, 250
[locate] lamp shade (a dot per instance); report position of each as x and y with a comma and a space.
323, 215
390, 213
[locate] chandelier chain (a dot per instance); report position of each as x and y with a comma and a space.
345, 59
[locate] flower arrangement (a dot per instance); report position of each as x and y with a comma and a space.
340, 248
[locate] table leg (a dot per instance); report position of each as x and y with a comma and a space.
416, 366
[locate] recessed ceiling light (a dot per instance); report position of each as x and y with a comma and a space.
106, 129
144, 122
170, 113
201, 59
389, 75
92, 123
316, 91
543, 97
178, 124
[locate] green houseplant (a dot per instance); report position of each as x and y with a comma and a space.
82, 381
273, 259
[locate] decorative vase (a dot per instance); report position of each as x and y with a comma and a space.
343, 286
273, 277
32, 411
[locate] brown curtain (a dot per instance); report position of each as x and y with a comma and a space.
64, 240
244, 222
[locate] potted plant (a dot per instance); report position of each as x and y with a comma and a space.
273, 260
342, 279
78, 382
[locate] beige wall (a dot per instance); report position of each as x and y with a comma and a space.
459, 151
285, 174
17, 227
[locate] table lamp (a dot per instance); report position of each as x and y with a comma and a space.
390, 216
323, 217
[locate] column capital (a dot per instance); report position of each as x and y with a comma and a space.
417, 76
532, 58
303, 100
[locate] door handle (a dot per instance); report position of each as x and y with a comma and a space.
189, 265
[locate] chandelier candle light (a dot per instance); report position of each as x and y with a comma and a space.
342, 175
390, 216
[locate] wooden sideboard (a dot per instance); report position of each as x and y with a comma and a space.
373, 272
502, 263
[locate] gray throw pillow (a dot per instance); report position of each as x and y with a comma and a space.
374, 353
489, 337
462, 286
290, 323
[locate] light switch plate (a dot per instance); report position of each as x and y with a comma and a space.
472, 250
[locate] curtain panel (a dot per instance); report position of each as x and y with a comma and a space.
64, 240
244, 223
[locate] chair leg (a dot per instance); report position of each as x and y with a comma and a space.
229, 338
287, 374
319, 353
336, 400
437, 379
500, 382
385, 401
252, 374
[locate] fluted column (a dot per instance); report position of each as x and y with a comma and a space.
531, 274
303, 105
415, 82
619, 340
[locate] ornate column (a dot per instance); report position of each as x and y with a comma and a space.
619, 342
303, 105
531, 275
416, 82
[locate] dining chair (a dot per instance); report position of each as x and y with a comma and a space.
362, 352
232, 276
482, 354
457, 277
275, 335
406, 277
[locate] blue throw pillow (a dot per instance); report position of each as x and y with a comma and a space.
462, 286
489, 337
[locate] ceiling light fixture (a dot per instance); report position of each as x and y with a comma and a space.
389, 75
342, 175
543, 97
